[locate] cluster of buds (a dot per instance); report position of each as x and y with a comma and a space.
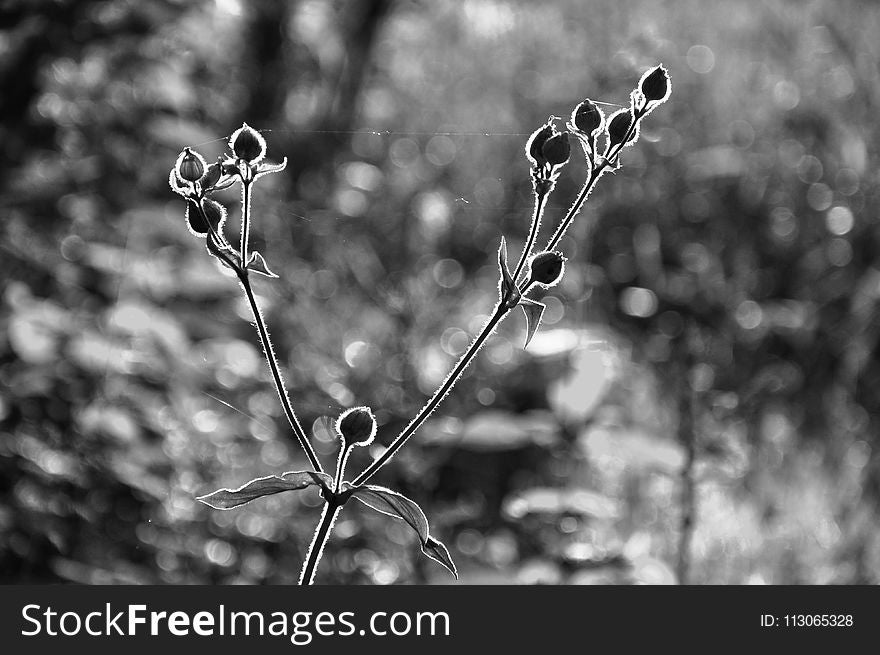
548, 150
195, 180
621, 129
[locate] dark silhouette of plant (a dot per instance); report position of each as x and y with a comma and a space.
548, 150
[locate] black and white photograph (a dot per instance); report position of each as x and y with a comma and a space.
436, 293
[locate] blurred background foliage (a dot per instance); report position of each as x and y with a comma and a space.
701, 404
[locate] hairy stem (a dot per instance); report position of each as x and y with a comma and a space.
245, 221
340, 467
540, 203
319, 540
272, 360
500, 312
595, 174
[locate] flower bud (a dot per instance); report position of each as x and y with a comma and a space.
535, 144
587, 117
248, 144
356, 426
655, 84
546, 267
618, 127
556, 149
215, 212
213, 175
212, 210
190, 166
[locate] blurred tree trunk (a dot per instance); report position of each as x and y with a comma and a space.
272, 76
688, 439
265, 39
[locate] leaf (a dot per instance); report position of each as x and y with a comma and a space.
177, 185
509, 291
533, 310
271, 484
266, 168
258, 265
399, 506
221, 250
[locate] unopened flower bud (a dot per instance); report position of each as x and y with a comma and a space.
213, 175
190, 166
655, 84
546, 267
587, 117
535, 144
556, 149
213, 211
248, 144
618, 127
356, 426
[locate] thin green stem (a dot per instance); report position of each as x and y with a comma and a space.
319, 540
500, 312
540, 203
272, 360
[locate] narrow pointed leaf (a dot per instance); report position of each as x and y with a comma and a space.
224, 183
508, 287
258, 265
271, 484
399, 506
266, 168
534, 311
439, 553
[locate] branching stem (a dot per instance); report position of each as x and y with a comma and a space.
540, 203
272, 359
500, 313
501, 310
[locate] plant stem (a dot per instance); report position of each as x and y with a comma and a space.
242, 273
595, 174
540, 202
272, 360
500, 312
340, 468
245, 221
319, 540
